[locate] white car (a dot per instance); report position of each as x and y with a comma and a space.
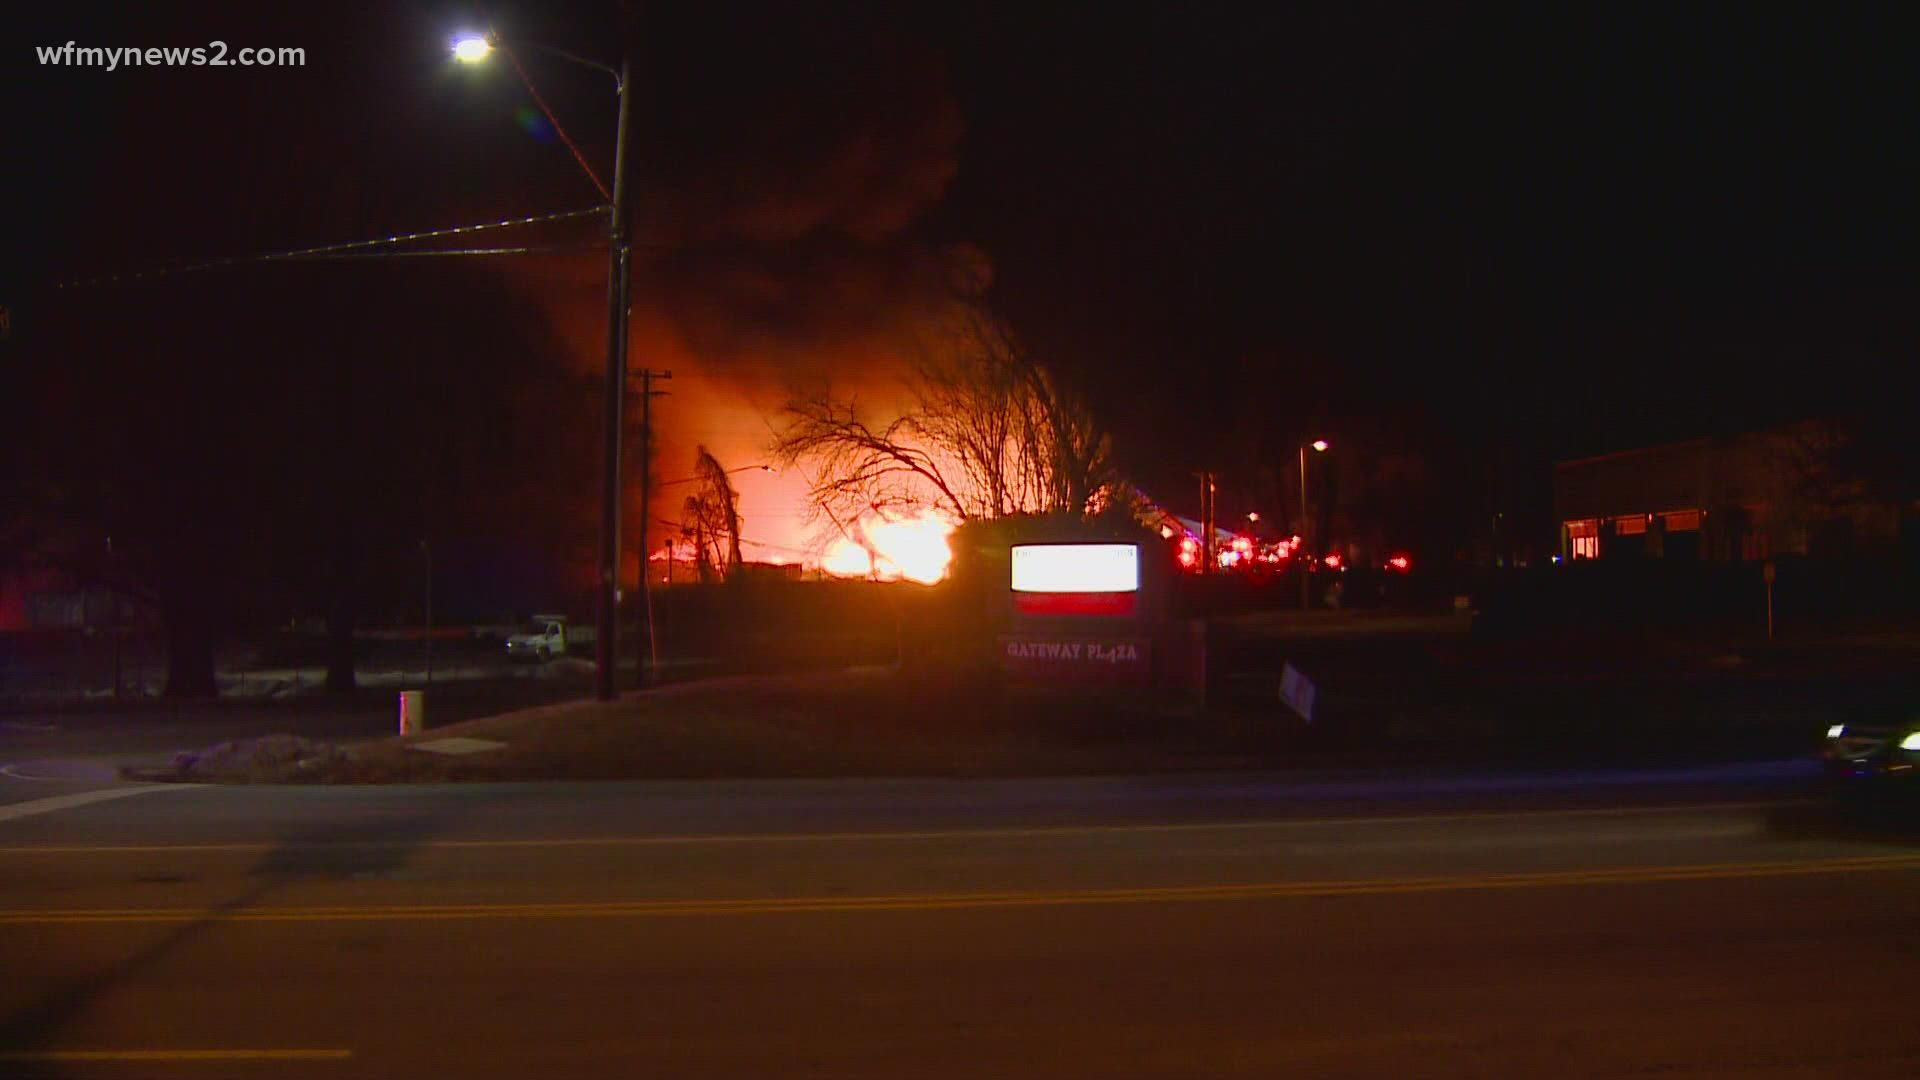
540, 640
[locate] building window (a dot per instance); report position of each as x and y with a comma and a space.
1681, 521
1630, 526
1583, 539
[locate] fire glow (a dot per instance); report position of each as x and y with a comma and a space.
910, 549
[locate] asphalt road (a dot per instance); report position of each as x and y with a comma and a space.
1697, 924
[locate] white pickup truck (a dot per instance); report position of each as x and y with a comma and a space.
540, 639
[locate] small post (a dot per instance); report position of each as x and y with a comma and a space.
119, 683
427, 550
1766, 575
1196, 672
413, 712
113, 621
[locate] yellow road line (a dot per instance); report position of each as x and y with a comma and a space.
934, 901
176, 1055
1040, 831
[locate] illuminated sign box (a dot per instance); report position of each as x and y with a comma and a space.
1076, 579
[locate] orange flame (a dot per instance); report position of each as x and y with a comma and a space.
912, 549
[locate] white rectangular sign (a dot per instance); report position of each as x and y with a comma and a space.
1076, 568
1296, 691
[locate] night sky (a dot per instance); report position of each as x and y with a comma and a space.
1526, 235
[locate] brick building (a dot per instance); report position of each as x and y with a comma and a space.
1736, 498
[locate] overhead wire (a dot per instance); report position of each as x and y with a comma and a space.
359, 248
756, 543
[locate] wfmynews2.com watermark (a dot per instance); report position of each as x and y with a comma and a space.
212, 54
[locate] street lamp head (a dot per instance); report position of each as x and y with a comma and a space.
1319, 444
471, 48
728, 472
1253, 517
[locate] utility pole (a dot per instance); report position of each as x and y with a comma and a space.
606, 643
649, 650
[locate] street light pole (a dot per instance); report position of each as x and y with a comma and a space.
475, 48
1301, 563
606, 644
1306, 527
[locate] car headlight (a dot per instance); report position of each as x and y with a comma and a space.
1836, 731
1911, 742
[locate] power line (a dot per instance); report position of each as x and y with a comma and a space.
756, 543
552, 249
351, 248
